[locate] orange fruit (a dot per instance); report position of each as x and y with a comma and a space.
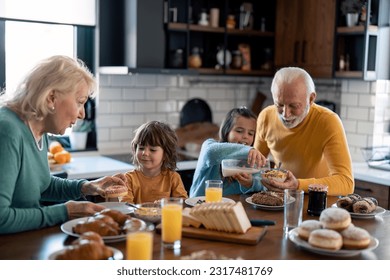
62, 157
55, 147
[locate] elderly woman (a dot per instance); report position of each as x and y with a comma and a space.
50, 99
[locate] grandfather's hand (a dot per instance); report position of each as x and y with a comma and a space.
96, 187
255, 157
290, 183
78, 209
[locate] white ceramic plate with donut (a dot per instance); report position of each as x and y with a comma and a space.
293, 236
379, 210
267, 207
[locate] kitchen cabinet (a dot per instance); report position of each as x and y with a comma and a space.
363, 51
304, 35
131, 34
378, 191
222, 50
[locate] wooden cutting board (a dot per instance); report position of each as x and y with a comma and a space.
251, 237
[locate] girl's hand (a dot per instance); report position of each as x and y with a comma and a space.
255, 157
244, 179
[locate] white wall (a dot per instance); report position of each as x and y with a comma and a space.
125, 102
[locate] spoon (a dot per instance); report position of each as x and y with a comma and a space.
132, 205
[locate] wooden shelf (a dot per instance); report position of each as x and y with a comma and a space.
201, 28
358, 29
177, 26
348, 74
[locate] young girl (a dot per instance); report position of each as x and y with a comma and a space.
155, 177
237, 134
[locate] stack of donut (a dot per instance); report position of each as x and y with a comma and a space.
357, 204
334, 231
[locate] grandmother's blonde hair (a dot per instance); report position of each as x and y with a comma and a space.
57, 73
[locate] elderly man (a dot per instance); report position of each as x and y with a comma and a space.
309, 140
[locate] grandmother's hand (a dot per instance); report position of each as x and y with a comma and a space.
78, 209
291, 183
97, 187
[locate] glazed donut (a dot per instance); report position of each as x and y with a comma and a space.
365, 205
346, 202
326, 239
355, 238
306, 227
115, 191
335, 218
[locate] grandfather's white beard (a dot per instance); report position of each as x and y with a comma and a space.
295, 120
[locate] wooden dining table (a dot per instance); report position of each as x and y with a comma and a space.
274, 245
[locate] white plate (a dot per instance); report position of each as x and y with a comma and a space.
267, 207
192, 201
293, 236
119, 206
68, 226
117, 254
378, 210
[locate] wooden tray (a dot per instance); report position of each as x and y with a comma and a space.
251, 237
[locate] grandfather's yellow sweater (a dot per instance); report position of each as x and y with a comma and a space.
316, 151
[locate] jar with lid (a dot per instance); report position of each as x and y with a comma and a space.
176, 59
230, 22
194, 60
236, 60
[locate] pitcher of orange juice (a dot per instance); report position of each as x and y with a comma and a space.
214, 190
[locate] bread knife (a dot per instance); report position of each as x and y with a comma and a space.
257, 223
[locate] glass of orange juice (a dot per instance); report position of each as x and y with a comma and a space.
139, 245
171, 222
214, 190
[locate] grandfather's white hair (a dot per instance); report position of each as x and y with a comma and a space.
289, 75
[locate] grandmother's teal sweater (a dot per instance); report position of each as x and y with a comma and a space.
25, 180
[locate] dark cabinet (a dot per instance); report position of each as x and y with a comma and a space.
131, 33
240, 41
380, 192
304, 35
363, 50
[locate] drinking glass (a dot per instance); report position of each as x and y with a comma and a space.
171, 222
214, 190
293, 206
139, 245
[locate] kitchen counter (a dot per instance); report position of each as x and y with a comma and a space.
94, 166
363, 172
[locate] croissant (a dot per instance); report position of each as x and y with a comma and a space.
106, 219
97, 226
118, 216
85, 250
89, 235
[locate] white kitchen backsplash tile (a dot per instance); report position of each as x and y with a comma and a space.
127, 101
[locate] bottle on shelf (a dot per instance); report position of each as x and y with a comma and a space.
194, 60
230, 22
342, 63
